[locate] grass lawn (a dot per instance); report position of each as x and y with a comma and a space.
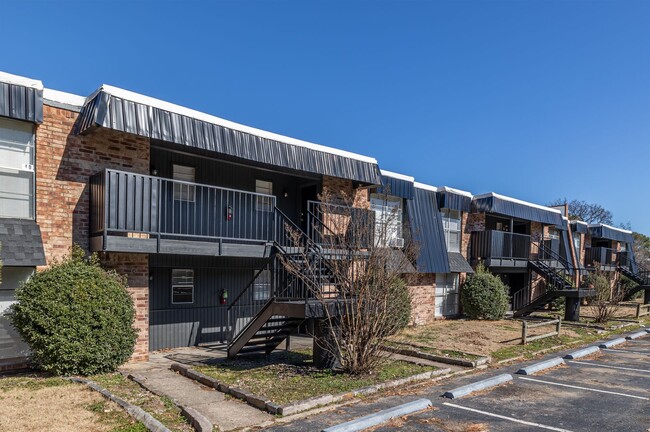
36, 402
161, 408
286, 377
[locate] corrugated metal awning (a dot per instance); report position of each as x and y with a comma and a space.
21, 244
396, 185
426, 228
21, 98
129, 112
458, 263
454, 199
610, 233
579, 227
506, 206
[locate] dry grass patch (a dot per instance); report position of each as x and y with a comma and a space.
55, 405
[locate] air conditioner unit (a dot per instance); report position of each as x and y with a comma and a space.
396, 242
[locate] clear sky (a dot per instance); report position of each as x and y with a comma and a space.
534, 99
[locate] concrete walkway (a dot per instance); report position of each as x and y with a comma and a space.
224, 413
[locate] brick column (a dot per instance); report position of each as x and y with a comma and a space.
136, 269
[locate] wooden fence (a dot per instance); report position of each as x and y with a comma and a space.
526, 326
642, 310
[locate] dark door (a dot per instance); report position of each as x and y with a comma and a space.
307, 193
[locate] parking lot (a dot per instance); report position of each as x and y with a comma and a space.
609, 391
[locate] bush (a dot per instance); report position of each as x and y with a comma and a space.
76, 317
484, 296
400, 307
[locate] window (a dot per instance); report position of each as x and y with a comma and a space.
577, 243
184, 191
388, 220
262, 286
16, 169
182, 286
451, 225
553, 234
264, 203
446, 294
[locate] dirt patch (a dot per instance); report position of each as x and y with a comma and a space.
57, 409
455, 426
477, 337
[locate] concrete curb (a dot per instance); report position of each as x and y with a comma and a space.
414, 352
636, 335
611, 343
198, 421
478, 386
647, 330
380, 417
538, 367
136, 412
264, 404
582, 353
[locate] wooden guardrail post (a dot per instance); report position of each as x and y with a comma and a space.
525, 327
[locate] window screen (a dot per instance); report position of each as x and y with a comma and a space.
184, 191
182, 286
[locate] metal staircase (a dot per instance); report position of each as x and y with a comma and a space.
259, 325
556, 282
638, 274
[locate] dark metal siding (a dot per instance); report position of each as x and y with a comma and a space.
565, 252
454, 201
108, 111
496, 205
396, 187
21, 244
604, 232
21, 103
205, 320
425, 222
579, 228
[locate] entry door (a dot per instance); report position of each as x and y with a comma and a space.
12, 346
447, 294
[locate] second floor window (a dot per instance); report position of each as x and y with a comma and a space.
184, 191
264, 203
577, 243
262, 286
16, 169
452, 227
388, 221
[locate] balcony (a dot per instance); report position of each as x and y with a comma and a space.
500, 249
143, 214
606, 257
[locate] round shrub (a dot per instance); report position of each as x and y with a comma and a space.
76, 317
484, 296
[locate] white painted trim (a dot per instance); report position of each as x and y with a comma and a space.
580, 222
397, 176
63, 97
425, 187
502, 417
518, 201
583, 388
609, 367
20, 80
177, 109
456, 191
610, 227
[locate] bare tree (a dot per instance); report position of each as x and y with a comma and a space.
606, 301
586, 212
364, 295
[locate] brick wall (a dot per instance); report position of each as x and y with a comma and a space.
423, 299
343, 190
64, 164
136, 269
465, 235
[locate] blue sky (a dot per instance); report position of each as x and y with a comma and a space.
533, 99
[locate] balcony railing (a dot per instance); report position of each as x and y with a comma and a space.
500, 244
136, 205
600, 255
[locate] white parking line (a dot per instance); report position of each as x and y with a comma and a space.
584, 388
541, 426
622, 351
609, 367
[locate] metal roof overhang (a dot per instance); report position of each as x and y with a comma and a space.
454, 201
610, 233
21, 98
579, 227
396, 187
426, 228
207, 133
517, 209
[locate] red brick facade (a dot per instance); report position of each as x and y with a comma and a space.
423, 299
64, 164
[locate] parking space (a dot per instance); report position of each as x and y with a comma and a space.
609, 391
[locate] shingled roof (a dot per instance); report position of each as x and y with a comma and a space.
20, 243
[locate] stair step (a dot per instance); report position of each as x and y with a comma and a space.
268, 341
253, 349
278, 327
287, 319
267, 335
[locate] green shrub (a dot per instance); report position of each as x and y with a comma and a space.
76, 317
400, 308
484, 296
